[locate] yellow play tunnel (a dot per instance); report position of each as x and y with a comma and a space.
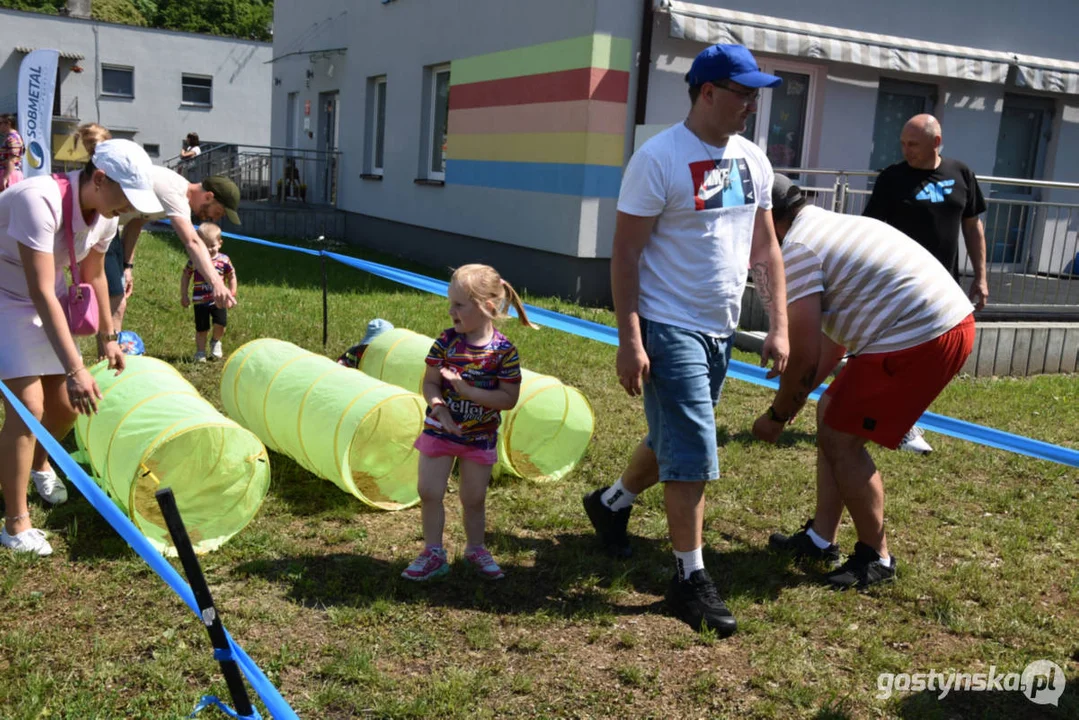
339, 424
154, 430
542, 438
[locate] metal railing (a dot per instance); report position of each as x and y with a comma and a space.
1032, 244
270, 174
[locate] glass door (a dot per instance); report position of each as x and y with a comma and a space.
897, 102
784, 118
1021, 145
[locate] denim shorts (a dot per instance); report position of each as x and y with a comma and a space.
680, 398
114, 266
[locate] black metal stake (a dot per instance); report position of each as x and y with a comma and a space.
210, 617
325, 309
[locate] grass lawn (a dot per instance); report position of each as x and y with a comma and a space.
987, 547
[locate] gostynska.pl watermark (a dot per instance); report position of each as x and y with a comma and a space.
1041, 682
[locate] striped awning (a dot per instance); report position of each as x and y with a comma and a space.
1057, 76
763, 33
67, 54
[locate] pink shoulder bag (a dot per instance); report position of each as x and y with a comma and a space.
80, 303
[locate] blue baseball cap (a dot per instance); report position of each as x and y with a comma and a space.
729, 62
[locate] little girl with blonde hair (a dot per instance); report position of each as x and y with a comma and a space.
473, 374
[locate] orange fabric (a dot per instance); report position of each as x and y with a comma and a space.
879, 396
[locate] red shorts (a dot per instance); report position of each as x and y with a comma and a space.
432, 446
879, 396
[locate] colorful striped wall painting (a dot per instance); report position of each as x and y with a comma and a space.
544, 118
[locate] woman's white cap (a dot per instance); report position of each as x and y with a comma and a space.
127, 164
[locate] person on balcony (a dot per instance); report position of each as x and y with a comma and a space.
191, 147
11, 152
932, 199
213, 198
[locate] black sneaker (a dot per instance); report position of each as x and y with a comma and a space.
610, 525
696, 601
801, 547
862, 569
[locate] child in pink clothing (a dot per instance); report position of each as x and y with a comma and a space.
473, 374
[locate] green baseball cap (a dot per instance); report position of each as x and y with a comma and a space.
226, 193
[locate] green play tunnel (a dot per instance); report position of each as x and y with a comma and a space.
339, 424
542, 438
154, 430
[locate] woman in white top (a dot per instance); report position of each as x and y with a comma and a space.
191, 147
40, 362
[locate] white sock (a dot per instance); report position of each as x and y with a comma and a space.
885, 560
687, 562
617, 497
820, 542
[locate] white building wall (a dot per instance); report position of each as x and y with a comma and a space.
240, 70
399, 40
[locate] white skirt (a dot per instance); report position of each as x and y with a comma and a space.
26, 350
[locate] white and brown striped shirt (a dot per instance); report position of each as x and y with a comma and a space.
880, 290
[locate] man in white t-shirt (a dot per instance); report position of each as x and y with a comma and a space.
214, 197
693, 215
859, 287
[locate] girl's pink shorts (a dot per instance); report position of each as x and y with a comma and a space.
432, 446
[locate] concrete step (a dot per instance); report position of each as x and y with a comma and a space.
1015, 349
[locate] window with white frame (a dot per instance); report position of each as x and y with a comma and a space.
378, 124
197, 90
117, 81
783, 123
437, 123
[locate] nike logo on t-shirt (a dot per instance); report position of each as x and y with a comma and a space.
706, 193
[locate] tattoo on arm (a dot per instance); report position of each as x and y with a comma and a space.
805, 387
763, 282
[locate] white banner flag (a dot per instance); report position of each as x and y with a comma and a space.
37, 83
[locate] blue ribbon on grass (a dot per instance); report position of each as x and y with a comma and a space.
746, 372
271, 698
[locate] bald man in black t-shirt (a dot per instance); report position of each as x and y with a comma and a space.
932, 199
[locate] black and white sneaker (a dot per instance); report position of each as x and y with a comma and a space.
862, 569
801, 547
914, 441
610, 525
696, 601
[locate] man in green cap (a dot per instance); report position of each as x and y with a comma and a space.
213, 198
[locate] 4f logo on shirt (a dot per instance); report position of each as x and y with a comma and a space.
935, 192
722, 184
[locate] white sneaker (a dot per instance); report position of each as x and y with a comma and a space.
31, 541
215, 349
49, 487
915, 442
200, 356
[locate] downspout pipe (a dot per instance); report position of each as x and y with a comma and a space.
644, 61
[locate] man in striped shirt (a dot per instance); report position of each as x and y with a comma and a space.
860, 288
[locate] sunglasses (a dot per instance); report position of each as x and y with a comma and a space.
748, 96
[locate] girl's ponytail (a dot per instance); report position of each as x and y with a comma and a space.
515, 300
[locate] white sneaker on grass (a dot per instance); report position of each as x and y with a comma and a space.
215, 349
29, 541
914, 441
49, 486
